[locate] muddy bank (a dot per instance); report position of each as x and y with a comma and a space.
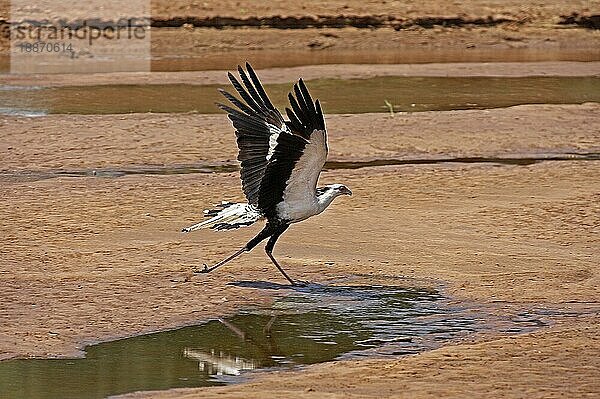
365, 21
291, 74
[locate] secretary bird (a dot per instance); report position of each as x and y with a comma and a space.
280, 164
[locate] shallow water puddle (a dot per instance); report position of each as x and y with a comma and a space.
305, 325
412, 94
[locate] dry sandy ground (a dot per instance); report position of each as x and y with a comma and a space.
439, 44
532, 9
524, 10
90, 258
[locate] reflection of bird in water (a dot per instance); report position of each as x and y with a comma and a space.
280, 164
268, 350
222, 363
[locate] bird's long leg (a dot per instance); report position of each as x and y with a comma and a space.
269, 250
221, 263
280, 268
264, 233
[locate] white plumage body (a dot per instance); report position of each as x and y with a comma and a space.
300, 196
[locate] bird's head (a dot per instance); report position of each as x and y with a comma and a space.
339, 189
325, 195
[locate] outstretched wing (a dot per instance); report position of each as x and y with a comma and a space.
258, 125
292, 174
278, 158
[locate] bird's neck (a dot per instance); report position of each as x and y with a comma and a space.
325, 199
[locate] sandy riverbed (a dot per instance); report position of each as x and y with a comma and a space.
88, 258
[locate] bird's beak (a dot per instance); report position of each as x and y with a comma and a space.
346, 191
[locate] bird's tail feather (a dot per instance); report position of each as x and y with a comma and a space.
228, 215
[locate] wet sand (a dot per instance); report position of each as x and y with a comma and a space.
87, 259
291, 74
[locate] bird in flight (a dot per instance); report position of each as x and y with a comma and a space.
280, 164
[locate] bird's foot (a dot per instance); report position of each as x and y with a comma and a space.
301, 283
204, 270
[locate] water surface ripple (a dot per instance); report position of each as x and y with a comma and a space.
305, 325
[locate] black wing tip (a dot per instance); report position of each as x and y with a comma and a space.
232, 78
248, 66
306, 111
305, 94
320, 114
304, 91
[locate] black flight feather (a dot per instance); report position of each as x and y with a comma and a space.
269, 147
